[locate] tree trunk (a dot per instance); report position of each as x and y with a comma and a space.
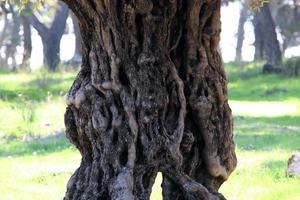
266, 43
76, 59
26, 41
3, 35
151, 97
51, 36
241, 32
14, 39
259, 42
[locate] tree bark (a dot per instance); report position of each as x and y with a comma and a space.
151, 97
241, 32
266, 43
51, 36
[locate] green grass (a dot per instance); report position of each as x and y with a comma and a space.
33, 104
36, 176
248, 84
36, 160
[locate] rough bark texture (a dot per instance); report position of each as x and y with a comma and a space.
51, 36
151, 96
241, 32
266, 44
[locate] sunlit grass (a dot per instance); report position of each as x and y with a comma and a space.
247, 83
32, 105
36, 176
261, 175
264, 108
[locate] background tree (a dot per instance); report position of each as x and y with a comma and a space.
151, 96
16, 33
10, 37
287, 18
76, 59
51, 36
266, 42
3, 33
241, 32
27, 43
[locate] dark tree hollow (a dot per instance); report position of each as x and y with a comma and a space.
151, 96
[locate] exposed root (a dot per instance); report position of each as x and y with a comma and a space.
190, 188
121, 188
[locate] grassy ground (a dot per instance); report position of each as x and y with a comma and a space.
267, 132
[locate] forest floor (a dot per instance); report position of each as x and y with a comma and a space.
36, 160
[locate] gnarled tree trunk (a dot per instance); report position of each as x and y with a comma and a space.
151, 96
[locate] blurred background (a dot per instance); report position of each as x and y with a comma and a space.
40, 55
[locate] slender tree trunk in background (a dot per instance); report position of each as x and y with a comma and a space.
266, 42
259, 40
51, 37
151, 96
15, 38
3, 35
241, 32
76, 59
27, 43
3, 32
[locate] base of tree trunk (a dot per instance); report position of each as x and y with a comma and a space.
269, 69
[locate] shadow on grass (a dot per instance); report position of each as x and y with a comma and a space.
267, 133
34, 147
249, 84
282, 122
37, 89
267, 142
